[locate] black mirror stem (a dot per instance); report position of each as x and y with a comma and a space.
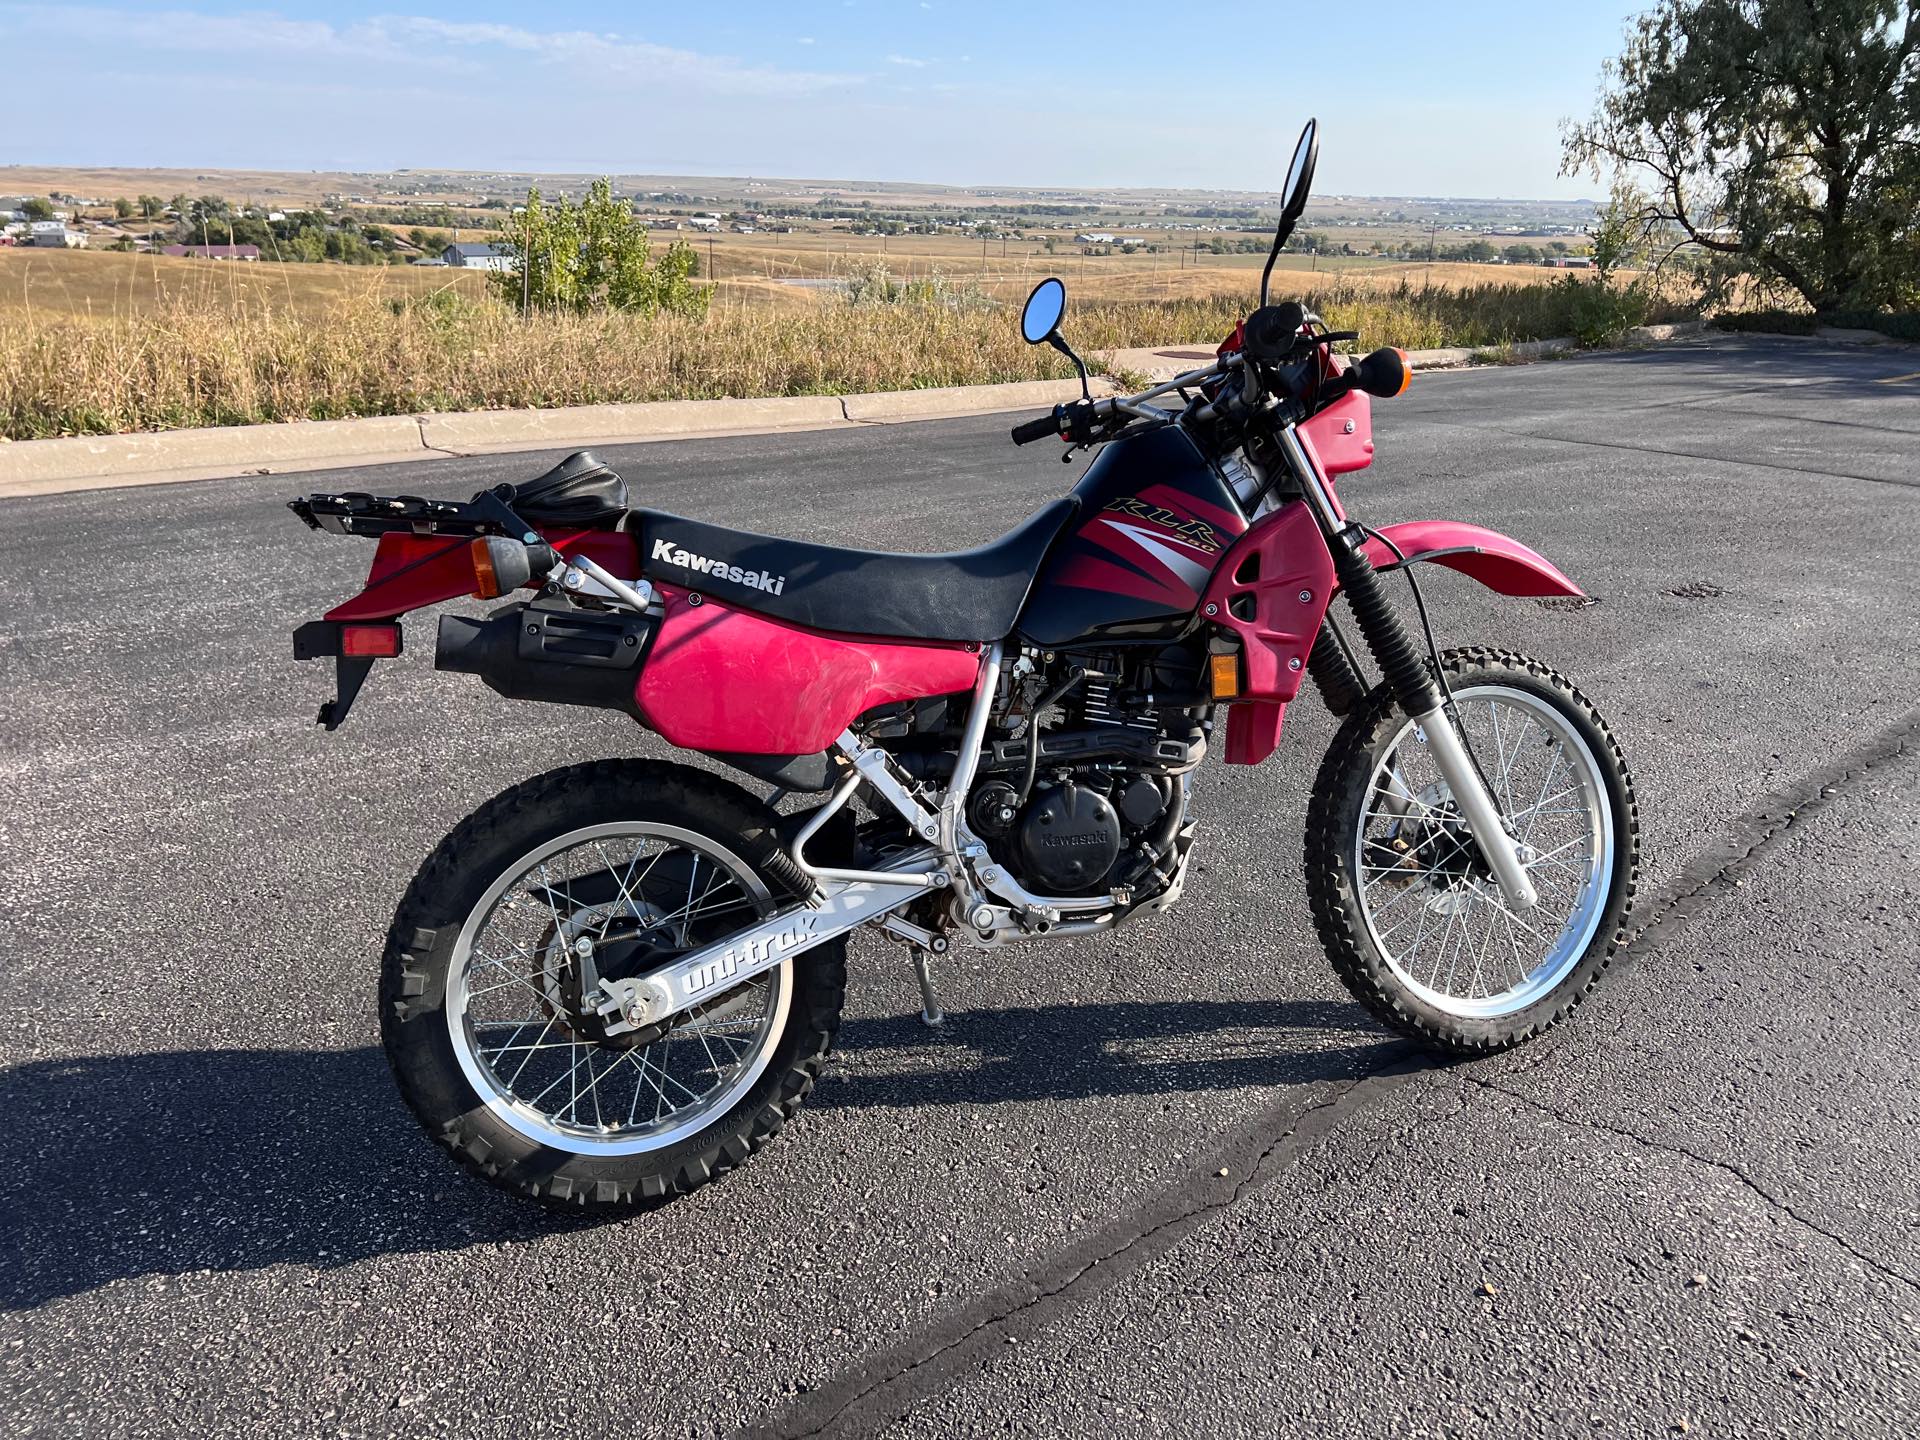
1086, 389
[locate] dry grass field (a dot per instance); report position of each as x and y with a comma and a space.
96, 342
103, 284
88, 284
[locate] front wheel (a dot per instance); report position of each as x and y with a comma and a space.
488, 1002
1412, 920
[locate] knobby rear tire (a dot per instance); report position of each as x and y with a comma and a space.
421, 949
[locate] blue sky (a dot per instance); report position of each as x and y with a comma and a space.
1415, 99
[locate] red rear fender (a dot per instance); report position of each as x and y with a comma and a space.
412, 571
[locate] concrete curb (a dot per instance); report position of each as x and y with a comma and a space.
91, 462
94, 462
892, 406
476, 431
1653, 334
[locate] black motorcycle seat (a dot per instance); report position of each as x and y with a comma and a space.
582, 490
964, 595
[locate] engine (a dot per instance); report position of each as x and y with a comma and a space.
1088, 793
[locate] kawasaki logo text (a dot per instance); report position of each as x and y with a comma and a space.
672, 554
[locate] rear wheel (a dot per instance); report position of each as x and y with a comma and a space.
488, 1010
1412, 920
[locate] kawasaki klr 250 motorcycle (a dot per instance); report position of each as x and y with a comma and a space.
617, 980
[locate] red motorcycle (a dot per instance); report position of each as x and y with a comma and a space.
615, 981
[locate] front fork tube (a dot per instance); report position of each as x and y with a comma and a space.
1420, 697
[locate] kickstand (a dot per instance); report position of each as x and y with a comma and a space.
931, 1015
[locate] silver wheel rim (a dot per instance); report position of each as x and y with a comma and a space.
511, 1037
1445, 931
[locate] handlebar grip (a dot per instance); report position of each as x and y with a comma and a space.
1272, 330
1039, 429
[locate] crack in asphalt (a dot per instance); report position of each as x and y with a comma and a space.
1719, 869
1284, 1262
885, 1387
1785, 1207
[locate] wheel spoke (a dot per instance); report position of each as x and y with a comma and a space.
1432, 910
545, 1062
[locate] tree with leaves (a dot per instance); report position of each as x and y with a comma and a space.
594, 254
1781, 137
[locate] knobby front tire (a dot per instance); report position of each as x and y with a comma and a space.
1412, 922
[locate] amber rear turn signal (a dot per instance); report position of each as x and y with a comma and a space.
486, 580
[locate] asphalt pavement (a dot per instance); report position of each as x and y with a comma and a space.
1166, 1182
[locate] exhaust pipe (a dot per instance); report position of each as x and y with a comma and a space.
560, 655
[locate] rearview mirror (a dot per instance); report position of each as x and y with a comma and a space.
1044, 309
1293, 199
1040, 324
1300, 173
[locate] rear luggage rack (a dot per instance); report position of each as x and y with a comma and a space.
356, 513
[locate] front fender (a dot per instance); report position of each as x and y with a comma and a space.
1497, 561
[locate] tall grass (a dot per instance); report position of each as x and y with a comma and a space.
196, 361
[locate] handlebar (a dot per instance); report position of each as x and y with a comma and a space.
1039, 429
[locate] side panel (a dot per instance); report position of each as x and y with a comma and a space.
1154, 521
1272, 590
1497, 561
724, 679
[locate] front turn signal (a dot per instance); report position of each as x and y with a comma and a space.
1384, 374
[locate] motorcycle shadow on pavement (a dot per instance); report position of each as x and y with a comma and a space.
1077, 1052
118, 1167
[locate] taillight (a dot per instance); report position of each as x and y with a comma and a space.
370, 642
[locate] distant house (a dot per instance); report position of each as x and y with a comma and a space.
478, 257
54, 234
214, 252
